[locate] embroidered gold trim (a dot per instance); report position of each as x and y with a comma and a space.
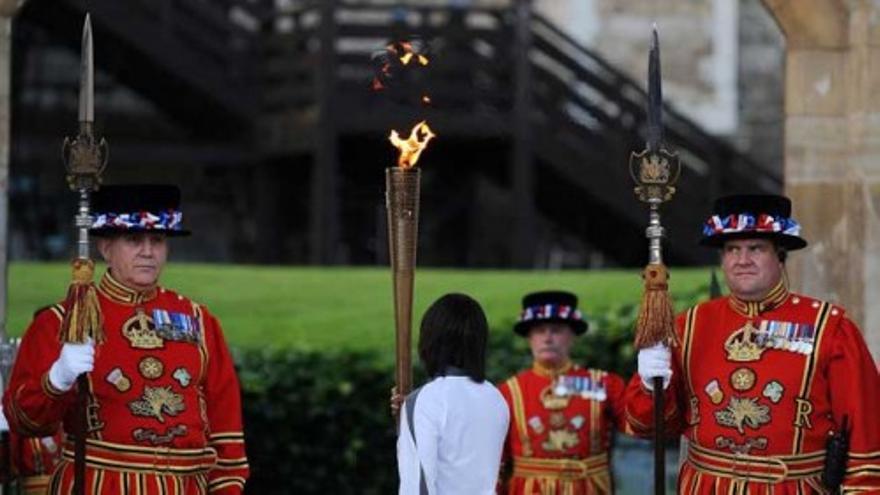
204, 356
157, 400
866, 455
154, 466
226, 482
155, 438
690, 327
741, 346
25, 423
32, 485
116, 291
151, 367
564, 469
58, 310
232, 462
742, 412
596, 376
93, 420
50, 389
226, 436
140, 331
743, 379
117, 378
545, 371
740, 466
519, 415
822, 317
773, 299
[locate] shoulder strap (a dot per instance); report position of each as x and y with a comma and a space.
410, 405
519, 414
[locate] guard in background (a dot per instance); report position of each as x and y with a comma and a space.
562, 416
28, 461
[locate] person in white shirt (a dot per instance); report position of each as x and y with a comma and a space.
452, 429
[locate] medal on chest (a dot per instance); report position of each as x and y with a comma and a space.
587, 387
749, 342
176, 327
562, 433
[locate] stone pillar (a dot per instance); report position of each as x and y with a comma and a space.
7, 10
832, 151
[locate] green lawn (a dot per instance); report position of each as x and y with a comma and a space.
320, 308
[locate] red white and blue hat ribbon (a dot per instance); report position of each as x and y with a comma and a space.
550, 312
747, 223
139, 221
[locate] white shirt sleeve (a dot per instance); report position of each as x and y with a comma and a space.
407, 463
429, 415
412, 457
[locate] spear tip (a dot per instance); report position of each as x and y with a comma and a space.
87, 74
655, 95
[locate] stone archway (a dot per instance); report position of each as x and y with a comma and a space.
832, 150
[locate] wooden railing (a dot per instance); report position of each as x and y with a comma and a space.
296, 78
585, 116
190, 57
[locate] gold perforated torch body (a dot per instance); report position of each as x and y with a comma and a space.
402, 187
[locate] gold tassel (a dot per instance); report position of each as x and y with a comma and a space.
656, 322
82, 315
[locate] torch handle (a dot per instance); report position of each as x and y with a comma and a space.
403, 289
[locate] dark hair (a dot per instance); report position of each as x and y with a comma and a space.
781, 252
454, 333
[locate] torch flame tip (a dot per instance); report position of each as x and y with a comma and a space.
412, 147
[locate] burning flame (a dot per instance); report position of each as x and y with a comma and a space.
405, 52
412, 147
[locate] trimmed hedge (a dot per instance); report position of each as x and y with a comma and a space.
319, 422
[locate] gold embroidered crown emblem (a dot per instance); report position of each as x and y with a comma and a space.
741, 346
141, 333
553, 401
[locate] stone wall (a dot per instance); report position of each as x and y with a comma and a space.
722, 60
760, 85
832, 151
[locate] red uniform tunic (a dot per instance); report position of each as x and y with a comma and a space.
164, 411
757, 388
33, 461
560, 430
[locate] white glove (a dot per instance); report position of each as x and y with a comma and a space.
75, 359
4, 426
655, 362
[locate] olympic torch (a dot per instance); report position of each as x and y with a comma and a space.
402, 204
85, 158
655, 172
